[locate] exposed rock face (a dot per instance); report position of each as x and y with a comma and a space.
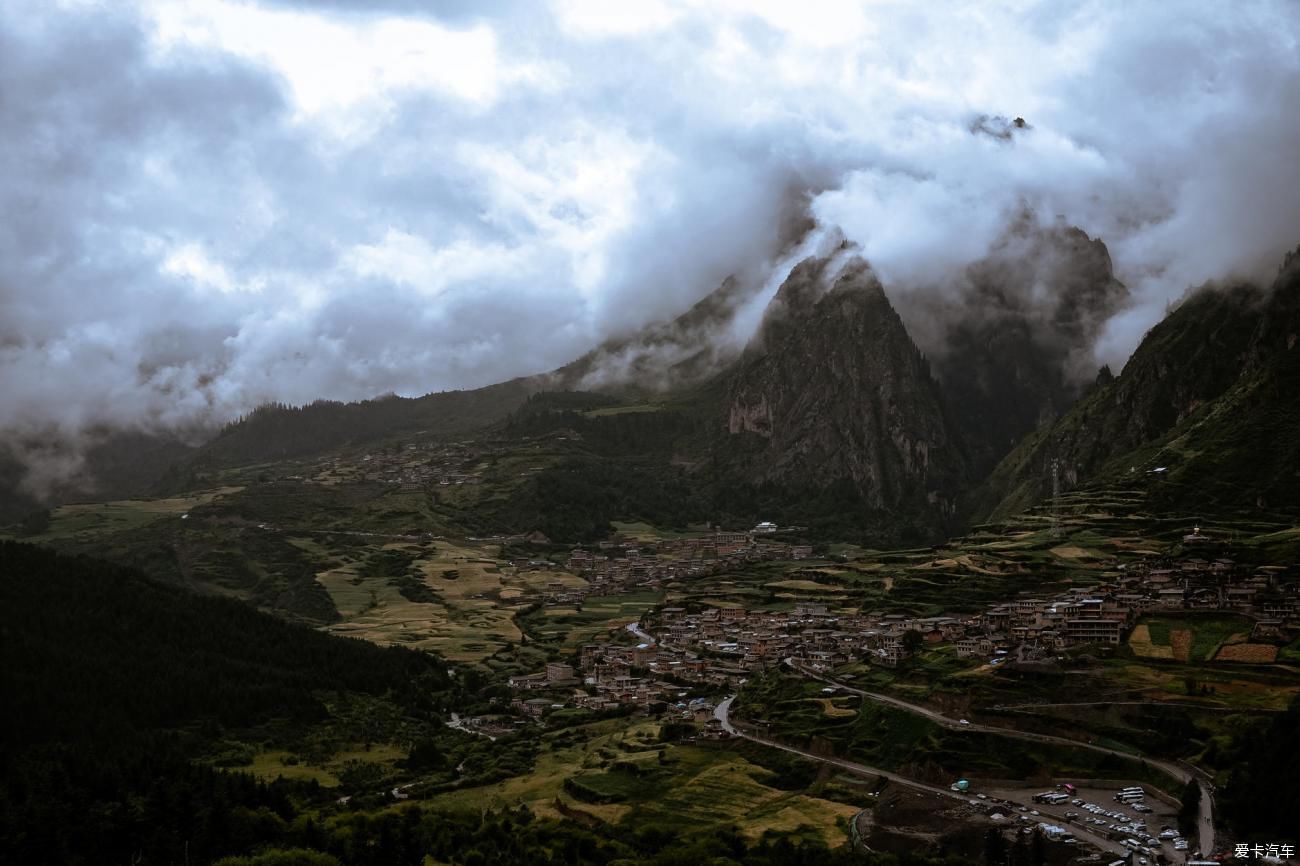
1208, 398
752, 419
832, 389
1018, 346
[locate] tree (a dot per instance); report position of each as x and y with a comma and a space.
1190, 809
1020, 851
425, 755
1037, 849
995, 847
675, 732
913, 640
35, 523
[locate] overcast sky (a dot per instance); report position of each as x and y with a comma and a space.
209, 205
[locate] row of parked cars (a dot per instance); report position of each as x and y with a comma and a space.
1136, 835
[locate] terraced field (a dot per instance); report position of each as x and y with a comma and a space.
1140, 642
599, 614
667, 785
91, 520
1187, 638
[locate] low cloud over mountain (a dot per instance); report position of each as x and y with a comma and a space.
210, 205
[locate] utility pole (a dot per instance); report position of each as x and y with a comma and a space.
1057, 529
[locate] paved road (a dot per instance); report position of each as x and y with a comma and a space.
635, 628
1177, 771
722, 712
1162, 704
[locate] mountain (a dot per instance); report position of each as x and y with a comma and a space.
1205, 410
832, 391
664, 355
831, 416
115, 465
278, 432
1019, 334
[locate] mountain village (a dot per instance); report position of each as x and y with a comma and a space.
719, 647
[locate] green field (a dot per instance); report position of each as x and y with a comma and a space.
633, 409
620, 773
599, 615
1188, 638
281, 763
89, 520
894, 739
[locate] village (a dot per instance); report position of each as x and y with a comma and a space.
680, 651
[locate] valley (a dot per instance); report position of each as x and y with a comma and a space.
679, 433
1107, 642
798, 605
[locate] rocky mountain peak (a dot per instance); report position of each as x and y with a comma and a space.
833, 389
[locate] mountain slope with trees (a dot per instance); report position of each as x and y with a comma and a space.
1205, 410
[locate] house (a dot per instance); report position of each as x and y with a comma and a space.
534, 707
1094, 630
557, 672
528, 682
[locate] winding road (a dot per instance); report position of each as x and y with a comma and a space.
1177, 771
722, 712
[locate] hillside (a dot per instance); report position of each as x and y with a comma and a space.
123, 691
274, 433
1204, 410
133, 655
1017, 341
115, 465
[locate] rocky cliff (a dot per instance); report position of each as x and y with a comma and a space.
1205, 412
1016, 348
832, 390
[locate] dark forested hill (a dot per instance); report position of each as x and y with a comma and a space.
280, 432
94, 652
1206, 410
112, 684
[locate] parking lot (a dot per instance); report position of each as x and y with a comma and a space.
1098, 816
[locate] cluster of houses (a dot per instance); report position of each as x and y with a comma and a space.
1103, 613
714, 647
409, 467
611, 676
720, 646
1030, 627
1191, 582
617, 565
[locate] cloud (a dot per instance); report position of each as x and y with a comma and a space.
214, 203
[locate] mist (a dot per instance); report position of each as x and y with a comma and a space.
212, 205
